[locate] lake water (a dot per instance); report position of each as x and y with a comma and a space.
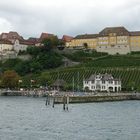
27, 118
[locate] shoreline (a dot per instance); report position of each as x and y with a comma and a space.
75, 98
98, 98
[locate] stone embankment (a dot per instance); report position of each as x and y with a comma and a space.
74, 97
100, 98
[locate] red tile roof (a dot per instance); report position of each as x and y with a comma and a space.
4, 41
33, 40
86, 36
67, 38
45, 35
120, 31
135, 33
26, 42
10, 36
3, 35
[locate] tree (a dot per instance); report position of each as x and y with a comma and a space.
50, 43
45, 79
36, 66
10, 79
131, 85
33, 50
23, 67
85, 45
61, 44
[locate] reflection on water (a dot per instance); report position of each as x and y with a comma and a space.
25, 118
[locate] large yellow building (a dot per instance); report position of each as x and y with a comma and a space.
86, 40
135, 41
112, 40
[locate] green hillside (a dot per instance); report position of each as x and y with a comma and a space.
115, 61
45, 67
130, 76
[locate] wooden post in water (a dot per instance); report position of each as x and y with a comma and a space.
53, 101
46, 100
67, 102
64, 102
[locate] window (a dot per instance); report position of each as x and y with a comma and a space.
103, 87
103, 82
110, 82
116, 82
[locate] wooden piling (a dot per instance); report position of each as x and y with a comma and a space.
53, 101
67, 102
64, 102
46, 100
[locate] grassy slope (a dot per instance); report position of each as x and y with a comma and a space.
125, 67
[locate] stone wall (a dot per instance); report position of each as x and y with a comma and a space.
99, 98
118, 49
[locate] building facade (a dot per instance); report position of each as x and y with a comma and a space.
5, 45
102, 82
21, 45
84, 41
112, 40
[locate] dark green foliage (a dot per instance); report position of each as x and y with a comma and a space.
41, 60
22, 52
50, 43
10, 79
49, 60
61, 45
34, 51
23, 68
11, 63
83, 56
138, 52
115, 61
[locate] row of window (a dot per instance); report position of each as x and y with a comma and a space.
112, 46
103, 82
102, 87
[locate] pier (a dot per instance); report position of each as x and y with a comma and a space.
68, 97
101, 97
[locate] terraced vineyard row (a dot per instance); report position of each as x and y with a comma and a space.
129, 76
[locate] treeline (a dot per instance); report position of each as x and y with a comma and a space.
42, 58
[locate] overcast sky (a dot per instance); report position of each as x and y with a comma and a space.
71, 17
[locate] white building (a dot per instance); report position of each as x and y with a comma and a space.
102, 82
5, 45
21, 45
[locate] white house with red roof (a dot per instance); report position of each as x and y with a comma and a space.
102, 82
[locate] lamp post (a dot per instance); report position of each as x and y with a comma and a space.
19, 82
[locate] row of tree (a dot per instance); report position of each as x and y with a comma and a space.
9, 79
42, 58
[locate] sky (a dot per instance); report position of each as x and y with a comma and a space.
70, 17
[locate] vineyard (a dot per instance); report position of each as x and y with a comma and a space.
129, 76
125, 67
115, 61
